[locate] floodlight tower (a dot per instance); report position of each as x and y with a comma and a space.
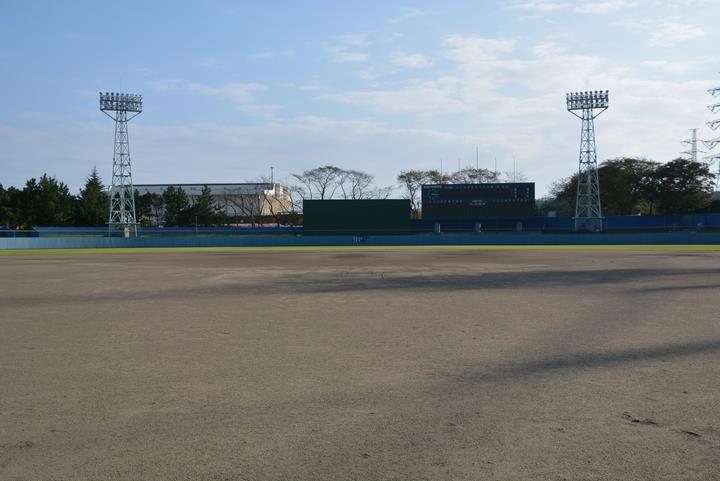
122, 199
588, 210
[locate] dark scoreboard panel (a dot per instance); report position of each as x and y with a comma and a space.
478, 201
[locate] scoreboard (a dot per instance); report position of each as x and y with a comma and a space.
478, 201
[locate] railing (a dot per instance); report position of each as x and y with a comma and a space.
537, 225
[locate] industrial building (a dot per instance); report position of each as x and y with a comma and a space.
241, 200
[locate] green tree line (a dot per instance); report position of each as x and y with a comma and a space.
49, 202
634, 186
627, 186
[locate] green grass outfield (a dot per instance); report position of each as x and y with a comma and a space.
160, 250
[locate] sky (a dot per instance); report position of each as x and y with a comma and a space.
233, 88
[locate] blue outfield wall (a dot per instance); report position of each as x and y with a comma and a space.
611, 223
669, 238
543, 224
167, 231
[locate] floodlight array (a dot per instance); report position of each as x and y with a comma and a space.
595, 99
120, 102
714, 124
714, 91
715, 108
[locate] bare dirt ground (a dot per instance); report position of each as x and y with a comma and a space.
368, 365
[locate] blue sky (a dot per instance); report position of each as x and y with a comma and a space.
233, 88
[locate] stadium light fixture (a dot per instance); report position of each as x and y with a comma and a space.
597, 99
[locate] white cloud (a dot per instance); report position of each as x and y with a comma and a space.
345, 48
471, 48
259, 110
606, 6
516, 103
236, 92
682, 67
546, 48
540, 5
410, 60
408, 14
164, 85
353, 40
366, 74
663, 32
423, 99
671, 33
342, 56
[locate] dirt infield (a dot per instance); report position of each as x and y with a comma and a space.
368, 365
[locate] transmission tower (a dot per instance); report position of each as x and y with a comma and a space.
588, 210
117, 106
692, 144
715, 125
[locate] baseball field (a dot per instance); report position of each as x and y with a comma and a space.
360, 364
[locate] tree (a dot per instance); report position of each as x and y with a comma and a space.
47, 202
412, 181
10, 211
148, 208
245, 207
641, 186
321, 182
623, 187
681, 186
563, 193
472, 175
176, 206
325, 182
205, 211
277, 200
355, 184
92, 208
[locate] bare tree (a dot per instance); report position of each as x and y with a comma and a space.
226, 201
472, 175
382, 192
325, 182
278, 206
321, 182
412, 181
297, 193
356, 185
508, 176
246, 206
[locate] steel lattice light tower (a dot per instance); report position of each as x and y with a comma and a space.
588, 210
122, 199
